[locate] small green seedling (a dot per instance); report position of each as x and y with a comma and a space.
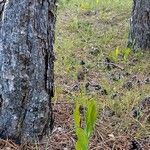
115, 54
84, 135
126, 53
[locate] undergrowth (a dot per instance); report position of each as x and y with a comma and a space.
91, 53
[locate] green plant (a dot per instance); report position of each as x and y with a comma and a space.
126, 52
84, 135
114, 54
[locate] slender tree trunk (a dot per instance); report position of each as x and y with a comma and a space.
26, 68
139, 36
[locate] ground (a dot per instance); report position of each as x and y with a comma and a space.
92, 61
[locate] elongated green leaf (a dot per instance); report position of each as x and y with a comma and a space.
78, 146
76, 116
117, 52
126, 53
91, 116
82, 143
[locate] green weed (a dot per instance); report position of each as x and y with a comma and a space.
84, 134
115, 54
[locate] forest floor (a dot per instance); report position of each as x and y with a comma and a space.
92, 61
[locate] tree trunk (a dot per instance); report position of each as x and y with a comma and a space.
139, 36
26, 68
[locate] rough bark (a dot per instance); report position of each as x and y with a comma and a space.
139, 36
26, 68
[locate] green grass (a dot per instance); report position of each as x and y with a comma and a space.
89, 31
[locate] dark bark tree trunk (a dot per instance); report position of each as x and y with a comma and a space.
139, 36
26, 68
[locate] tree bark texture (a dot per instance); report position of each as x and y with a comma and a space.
139, 36
26, 68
